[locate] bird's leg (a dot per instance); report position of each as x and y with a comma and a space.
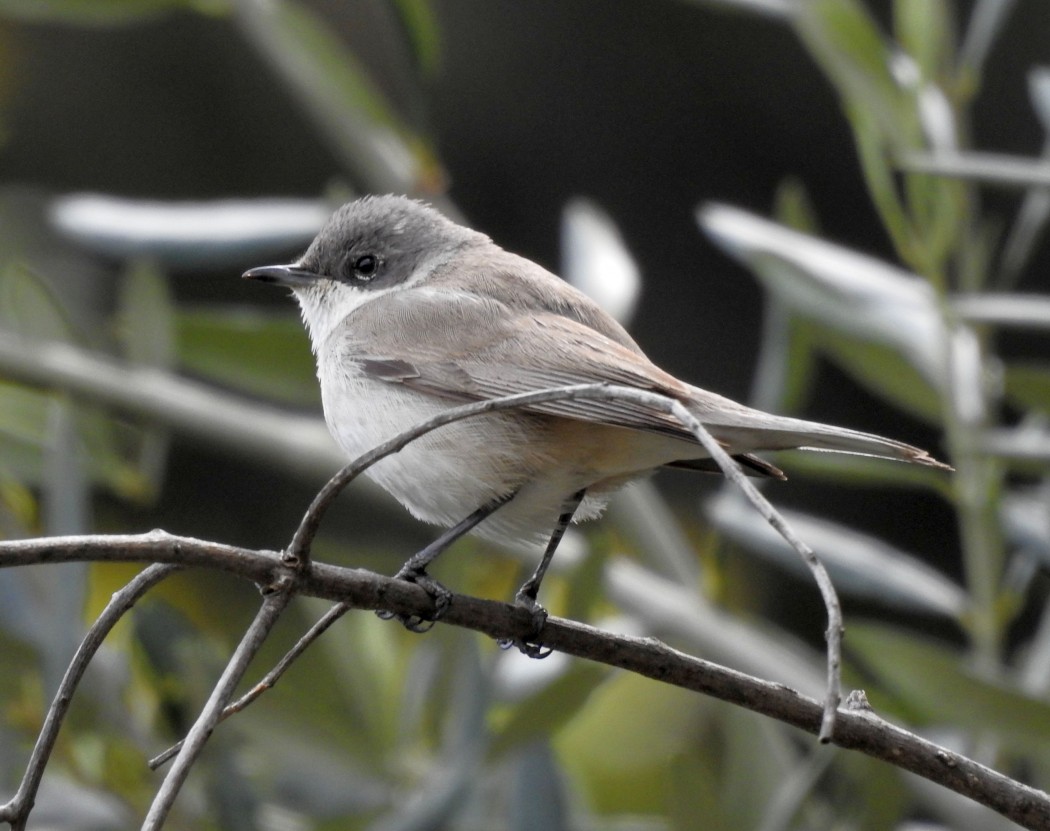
530, 589
415, 568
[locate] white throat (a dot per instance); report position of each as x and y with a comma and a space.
327, 303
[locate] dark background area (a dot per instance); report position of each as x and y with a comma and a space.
648, 106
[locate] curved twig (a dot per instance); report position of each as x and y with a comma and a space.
857, 728
277, 597
270, 679
17, 809
299, 550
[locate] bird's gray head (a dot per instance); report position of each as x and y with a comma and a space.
372, 245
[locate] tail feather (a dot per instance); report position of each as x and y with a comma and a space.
753, 466
756, 430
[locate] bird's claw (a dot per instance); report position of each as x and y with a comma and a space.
528, 645
441, 596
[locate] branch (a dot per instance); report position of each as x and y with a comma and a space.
857, 727
277, 598
270, 679
298, 551
16, 811
300, 443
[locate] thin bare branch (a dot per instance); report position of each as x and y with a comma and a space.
274, 603
857, 729
298, 551
16, 811
271, 678
833, 634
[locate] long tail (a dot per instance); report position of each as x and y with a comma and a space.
744, 429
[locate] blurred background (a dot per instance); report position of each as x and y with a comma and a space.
832, 208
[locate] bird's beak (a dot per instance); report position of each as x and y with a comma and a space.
283, 275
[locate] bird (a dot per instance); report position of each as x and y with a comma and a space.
410, 313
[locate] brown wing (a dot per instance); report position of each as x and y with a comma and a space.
464, 346
461, 347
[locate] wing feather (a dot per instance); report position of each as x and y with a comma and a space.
463, 346
470, 349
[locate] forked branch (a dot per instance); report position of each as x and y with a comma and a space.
292, 573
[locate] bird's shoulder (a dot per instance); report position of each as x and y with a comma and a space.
478, 302
522, 287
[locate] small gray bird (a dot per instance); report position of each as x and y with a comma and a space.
410, 314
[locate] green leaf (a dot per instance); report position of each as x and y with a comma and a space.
422, 27
942, 215
618, 746
1028, 386
25, 434
845, 40
738, 771
879, 801
977, 251
881, 370
787, 361
146, 327
146, 322
538, 796
29, 308
23, 414
933, 684
337, 93
106, 442
553, 707
793, 207
887, 101
253, 351
870, 309
860, 565
881, 181
927, 32
987, 21
18, 508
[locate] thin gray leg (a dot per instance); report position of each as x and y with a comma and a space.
415, 569
530, 589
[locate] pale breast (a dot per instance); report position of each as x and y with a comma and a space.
444, 475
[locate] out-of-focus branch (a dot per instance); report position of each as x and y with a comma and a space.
298, 443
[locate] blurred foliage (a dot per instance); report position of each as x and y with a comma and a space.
377, 728
248, 350
102, 12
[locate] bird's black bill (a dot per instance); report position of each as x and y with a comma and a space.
282, 275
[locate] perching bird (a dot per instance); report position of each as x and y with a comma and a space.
410, 314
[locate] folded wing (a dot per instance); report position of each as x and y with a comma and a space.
466, 347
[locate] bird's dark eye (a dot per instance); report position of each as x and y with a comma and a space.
365, 267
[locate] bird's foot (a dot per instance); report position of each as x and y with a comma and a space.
441, 596
526, 599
